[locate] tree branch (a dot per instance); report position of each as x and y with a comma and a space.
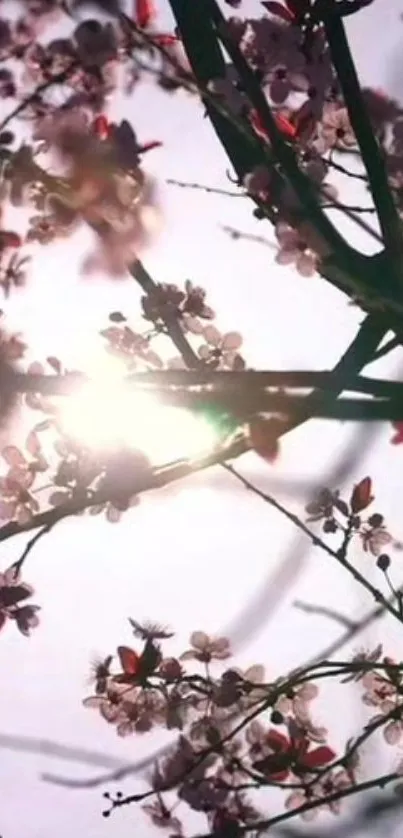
347, 75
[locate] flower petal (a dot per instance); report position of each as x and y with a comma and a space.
113, 515
93, 701
212, 336
199, 640
392, 733
255, 674
318, 757
305, 264
276, 740
307, 692
295, 800
286, 257
13, 456
7, 510
231, 341
24, 515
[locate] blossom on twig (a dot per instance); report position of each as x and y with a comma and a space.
205, 648
221, 351
294, 249
13, 592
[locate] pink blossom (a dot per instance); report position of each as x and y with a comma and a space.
295, 250
205, 648
298, 703
13, 591
332, 782
221, 351
335, 129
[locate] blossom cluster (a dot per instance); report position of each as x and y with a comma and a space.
223, 749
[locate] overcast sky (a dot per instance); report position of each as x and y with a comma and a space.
203, 554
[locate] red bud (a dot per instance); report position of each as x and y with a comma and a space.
144, 13
285, 126
149, 146
165, 40
9, 239
361, 495
397, 438
263, 438
101, 127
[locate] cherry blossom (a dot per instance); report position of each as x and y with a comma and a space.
14, 591
221, 351
161, 816
16, 500
110, 704
205, 648
334, 781
375, 537
383, 689
335, 129
295, 250
298, 702
283, 755
140, 713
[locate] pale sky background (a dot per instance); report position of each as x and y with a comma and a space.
195, 555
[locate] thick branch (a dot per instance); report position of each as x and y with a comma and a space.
347, 75
155, 480
214, 382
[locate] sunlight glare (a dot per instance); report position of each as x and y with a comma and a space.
110, 414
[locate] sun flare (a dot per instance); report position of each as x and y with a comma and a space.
106, 415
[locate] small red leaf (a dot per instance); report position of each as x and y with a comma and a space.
361, 495
149, 146
285, 126
144, 12
129, 660
13, 456
304, 121
318, 757
9, 239
263, 437
297, 7
165, 39
101, 127
277, 9
257, 124
397, 438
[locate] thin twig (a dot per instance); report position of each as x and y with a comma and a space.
58, 78
155, 480
31, 543
317, 541
339, 168
236, 235
353, 631
209, 189
266, 823
322, 611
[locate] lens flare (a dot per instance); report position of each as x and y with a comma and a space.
111, 414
